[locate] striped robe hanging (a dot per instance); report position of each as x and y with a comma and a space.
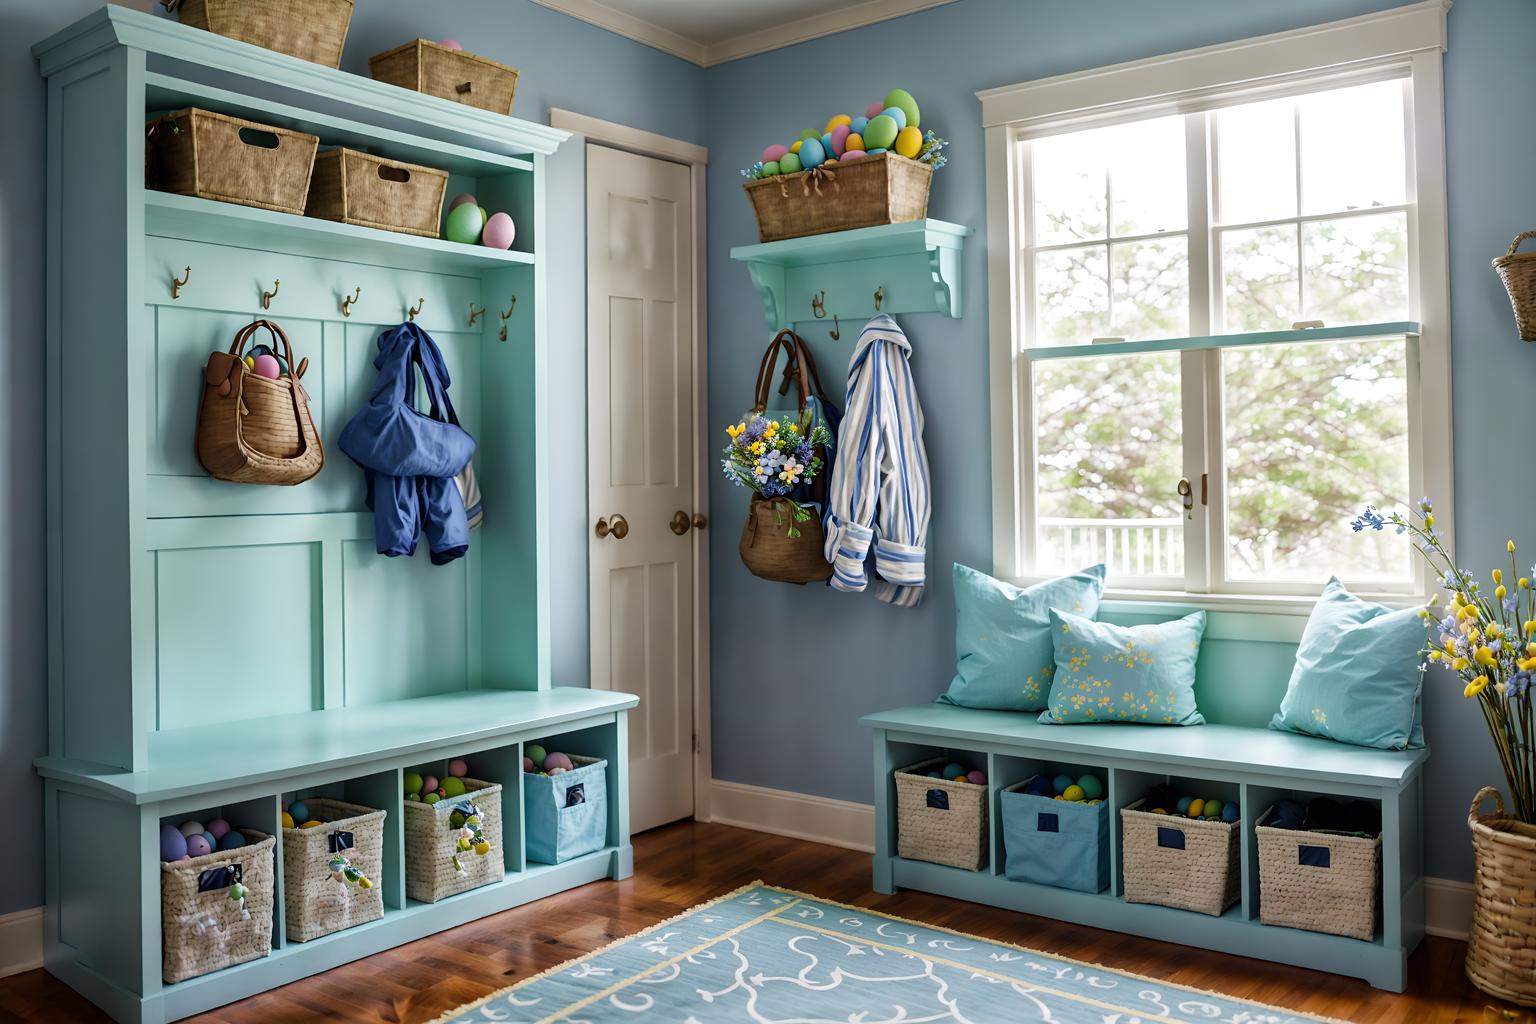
879, 488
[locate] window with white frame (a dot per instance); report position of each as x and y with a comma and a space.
1172, 413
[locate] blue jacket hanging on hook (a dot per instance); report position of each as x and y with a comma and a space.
409, 458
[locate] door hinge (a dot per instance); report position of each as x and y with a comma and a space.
695, 742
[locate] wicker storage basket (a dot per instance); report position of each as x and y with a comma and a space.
197, 152
1179, 862
359, 188
431, 844
767, 549
423, 66
940, 821
1518, 272
202, 928
1319, 881
1501, 951
882, 189
310, 29
314, 902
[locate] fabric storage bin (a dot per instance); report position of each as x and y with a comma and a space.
1055, 842
196, 152
424, 66
314, 902
204, 925
1320, 881
312, 30
566, 815
940, 821
435, 868
359, 188
1180, 862
881, 189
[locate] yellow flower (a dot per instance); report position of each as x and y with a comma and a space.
1475, 687
736, 431
1530, 649
1530, 627
1499, 592
1429, 521
1526, 664
1495, 631
1485, 657
1461, 664
1498, 577
757, 448
1524, 583
1434, 655
1510, 545
771, 429
1450, 645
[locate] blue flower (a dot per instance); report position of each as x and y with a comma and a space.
1369, 518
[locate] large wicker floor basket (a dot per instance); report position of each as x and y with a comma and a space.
431, 844
200, 153
1501, 950
425, 66
315, 903
1180, 862
360, 188
203, 928
1319, 881
882, 189
311, 29
940, 821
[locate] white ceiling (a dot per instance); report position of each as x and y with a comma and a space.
710, 32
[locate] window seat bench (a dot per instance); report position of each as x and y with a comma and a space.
1252, 765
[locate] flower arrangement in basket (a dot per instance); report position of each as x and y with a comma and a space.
774, 458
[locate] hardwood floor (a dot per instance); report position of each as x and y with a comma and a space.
681, 865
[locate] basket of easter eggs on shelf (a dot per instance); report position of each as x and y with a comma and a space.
1056, 831
333, 857
565, 804
941, 813
858, 172
452, 832
216, 894
1181, 850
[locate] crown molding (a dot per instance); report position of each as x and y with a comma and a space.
747, 44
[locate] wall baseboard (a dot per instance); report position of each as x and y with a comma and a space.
21, 941
816, 819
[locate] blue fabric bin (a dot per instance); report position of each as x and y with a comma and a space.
566, 815
1055, 842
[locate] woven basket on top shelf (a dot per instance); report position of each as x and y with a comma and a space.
202, 928
360, 188
1179, 862
881, 189
1302, 886
314, 902
431, 844
938, 820
313, 30
196, 152
424, 66
1518, 272
1501, 950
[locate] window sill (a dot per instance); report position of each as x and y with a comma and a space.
1292, 605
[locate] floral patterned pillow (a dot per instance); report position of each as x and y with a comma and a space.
1109, 673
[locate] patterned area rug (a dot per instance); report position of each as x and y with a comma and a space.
764, 955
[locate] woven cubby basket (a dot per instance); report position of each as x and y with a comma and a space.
1203, 876
359, 188
196, 152
1501, 949
430, 845
1341, 898
314, 903
881, 189
424, 66
202, 929
940, 821
313, 30
1518, 272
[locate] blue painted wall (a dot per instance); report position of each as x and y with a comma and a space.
786, 722
565, 63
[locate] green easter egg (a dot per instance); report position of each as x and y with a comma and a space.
453, 786
903, 100
535, 753
412, 782
789, 163
770, 169
880, 133
430, 798
808, 134
464, 224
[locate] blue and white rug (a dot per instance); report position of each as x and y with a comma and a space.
764, 955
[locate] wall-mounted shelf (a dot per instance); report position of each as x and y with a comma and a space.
915, 266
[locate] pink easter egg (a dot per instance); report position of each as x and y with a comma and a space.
875, 110
197, 846
556, 760
978, 777
449, 44
460, 200
429, 784
457, 768
527, 764
499, 232
852, 155
840, 138
557, 771
219, 828
191, 828
774, 152
266, 366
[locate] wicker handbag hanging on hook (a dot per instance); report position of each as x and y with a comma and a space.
253, 429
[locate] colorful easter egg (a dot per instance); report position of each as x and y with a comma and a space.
430, 798
460, 199
1061, 782
288, 820
837, 119
429, 783
853, 155
458, 768
557, 760
826, 146
1091, 786
219, 827
499, 232
232, 841
771, 168
858, 124
790, 164
909, 141
1229, 812
464, 224
1074, 793
299, 810
266, 366
903, 101
854, 143
449, 44
953, 771
198, 845
558, 771
1196, 808
881, 132
896, 114
809, 133
873, 110
527, 764
840, 139
794, 149
453, 786
979, 777
1183, 804
811, 154
536, 752
412, 782
311, 823
192, 828
173, 845
876, 152
774, 152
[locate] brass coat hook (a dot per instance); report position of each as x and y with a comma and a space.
837, 330
177, 284
267, 297
819, 305
474, 314
348, 302
507, 316
879, 296
412, 311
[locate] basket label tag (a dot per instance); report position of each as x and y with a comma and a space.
219, 878
1170, 838
577, 794
1314, 856
938, 799
339, 841
1046, 822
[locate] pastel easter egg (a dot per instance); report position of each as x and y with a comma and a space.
430, 798
412, 782
198, 846
232, 841
449, 44
536, 752
250, 362
875, 152
771, 168
1183, 804
908, 142
903, 101
266, 367
558, 771
978, 777
811, 154
794, 148
1229, 813
213, 842
809, 133
774, 152
527, 764
790, 164
840, 138
429, 783
1074, 793
499, 232
896, 114
288, 820
173, 845
1061, 782
459, 200
1092, 788
299, 810
853, 155
826, 145
557, 760
858, 124
954, 770
464, 224
453, 786
881, 132
311, 823
853, 143
837, 119
874, 109
458, 768
1196, 808
192, 828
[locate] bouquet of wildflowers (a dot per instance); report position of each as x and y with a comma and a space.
773, 457
1488, 639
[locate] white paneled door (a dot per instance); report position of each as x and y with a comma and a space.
640, 444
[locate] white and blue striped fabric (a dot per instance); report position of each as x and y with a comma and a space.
879, 489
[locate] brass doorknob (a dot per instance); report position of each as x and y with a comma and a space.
679, 522
618, 527
699, 522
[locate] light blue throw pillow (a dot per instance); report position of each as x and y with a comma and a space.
1003, 652
1357, 677
1109, 673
